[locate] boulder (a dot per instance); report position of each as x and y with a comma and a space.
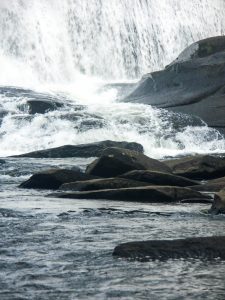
82, 150
117, 161
101, 184
218, 206
198, 167
211, 186
53, 178
42, 106
145, 194
158, 178
193, 84
199, 247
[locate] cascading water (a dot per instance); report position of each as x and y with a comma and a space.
73, 47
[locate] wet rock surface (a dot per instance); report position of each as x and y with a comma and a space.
193, 84
145, 194
82, 150
198, 167
204, 247
54, 178
116, 161
102, 184
158, 178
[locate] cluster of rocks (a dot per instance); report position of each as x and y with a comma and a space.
121, 173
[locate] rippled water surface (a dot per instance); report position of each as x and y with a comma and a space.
62, 249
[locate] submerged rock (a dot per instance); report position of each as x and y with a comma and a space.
117, 161
82, 150
158, 178
102, 184
42, 106
218, 206
146, 194
194, 84
198, 166
2, 161
53, 179
200, 247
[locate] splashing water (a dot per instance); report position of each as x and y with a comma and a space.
73, 47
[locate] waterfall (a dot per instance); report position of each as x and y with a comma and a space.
54, 40
70, 48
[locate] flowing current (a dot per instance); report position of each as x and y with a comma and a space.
69, 49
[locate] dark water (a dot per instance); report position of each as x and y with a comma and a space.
62, 249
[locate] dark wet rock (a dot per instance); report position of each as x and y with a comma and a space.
83, 150
200, 247
158, 178
194, 84
197, 200
2, 161
53, 179
198, 167
101, 184
3, 113
218, 206
148, 194
117, 161
214, 185
42, 106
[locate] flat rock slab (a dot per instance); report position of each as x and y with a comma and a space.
148, 194
198, 167
214, 185
158, 178
101, 184
116, 161
201, 247
82, 150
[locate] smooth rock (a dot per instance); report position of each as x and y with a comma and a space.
53, 179
101, 184
198, 167
193, 84
117, 161
2, 161
82, 150
214, 185
146, 194
200, 247
42, 106
158, 178
218, 206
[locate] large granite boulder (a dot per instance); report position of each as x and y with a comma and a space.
158, 178
200, 247
117, 161
145, 194
101, 184
218, 206
193, 84
53, 178
82, 150
198, 166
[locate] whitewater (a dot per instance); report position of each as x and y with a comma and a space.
78, 49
